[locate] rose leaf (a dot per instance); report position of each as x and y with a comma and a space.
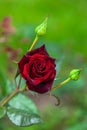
2, 112
21, 117
23, 102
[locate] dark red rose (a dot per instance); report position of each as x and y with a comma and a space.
38, 69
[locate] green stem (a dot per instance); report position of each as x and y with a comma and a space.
6, 100
62, 83
34, 43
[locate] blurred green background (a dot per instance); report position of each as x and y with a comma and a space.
66, 40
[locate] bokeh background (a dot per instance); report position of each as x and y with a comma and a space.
66, 40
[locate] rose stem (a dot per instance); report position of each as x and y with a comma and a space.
34, 43
62, 83
3, 102
8, 98
19, 82
12, 95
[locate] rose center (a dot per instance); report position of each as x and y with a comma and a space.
37, 69
39, 66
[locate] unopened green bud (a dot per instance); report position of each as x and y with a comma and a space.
75, 74
41, 29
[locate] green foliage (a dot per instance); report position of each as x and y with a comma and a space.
22, 117
2, 112
22, 111
23, 102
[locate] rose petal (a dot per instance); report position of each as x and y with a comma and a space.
22, 62
41, 88
41, 50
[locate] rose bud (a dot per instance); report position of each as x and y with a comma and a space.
38, 69
41, 29
75, 74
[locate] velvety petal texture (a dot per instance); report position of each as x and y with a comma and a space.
38, 69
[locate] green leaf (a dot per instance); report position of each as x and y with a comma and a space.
23, 118
22, 111
23, 102
10, 86
2, 112
3, 84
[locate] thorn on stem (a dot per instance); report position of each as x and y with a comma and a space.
58, 100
